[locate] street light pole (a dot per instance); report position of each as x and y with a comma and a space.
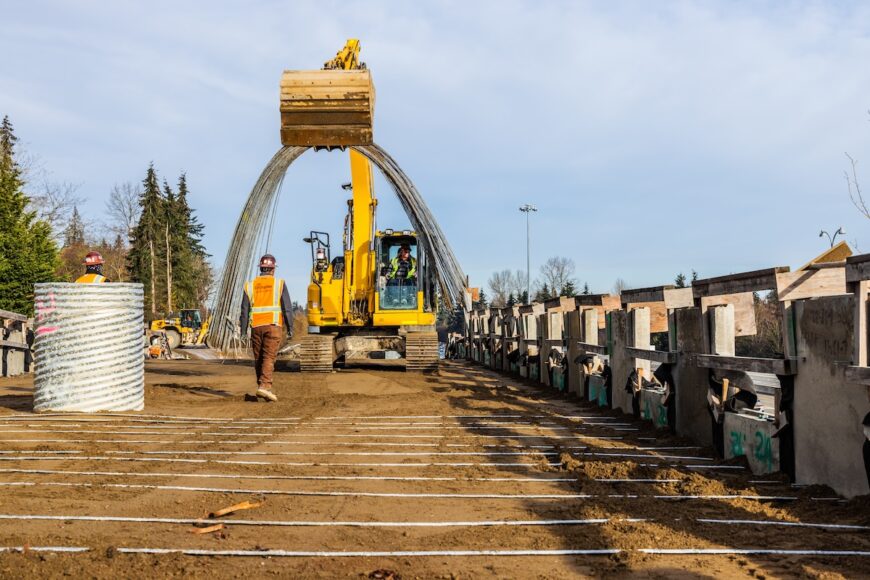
526, 209
839, 232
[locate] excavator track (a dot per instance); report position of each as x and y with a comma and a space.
421, 351
317, 353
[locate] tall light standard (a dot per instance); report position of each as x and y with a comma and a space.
526, 209
839, 232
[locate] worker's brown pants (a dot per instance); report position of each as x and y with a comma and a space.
265, 341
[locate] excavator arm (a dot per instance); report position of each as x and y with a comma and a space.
347, 58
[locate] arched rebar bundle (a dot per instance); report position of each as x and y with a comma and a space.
255, 217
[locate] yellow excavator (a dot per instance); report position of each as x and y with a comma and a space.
376, 298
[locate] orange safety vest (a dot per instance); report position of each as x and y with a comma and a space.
264, 294
91, 279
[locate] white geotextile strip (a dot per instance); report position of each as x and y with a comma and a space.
296, 477
444, 553
330, 524
412, 524
394, 495
301, 492
284, 463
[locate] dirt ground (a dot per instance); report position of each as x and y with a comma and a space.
358, 447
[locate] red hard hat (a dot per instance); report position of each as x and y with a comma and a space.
268, 261
93, 259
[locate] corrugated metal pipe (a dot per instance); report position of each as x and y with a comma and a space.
89, 348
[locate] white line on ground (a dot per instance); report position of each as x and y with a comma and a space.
751, 552
336, 524
782, 523
42, 549
641, 480
288, 463
398, 554
391, 495
444, 553
333, 453
293, 477
560, 496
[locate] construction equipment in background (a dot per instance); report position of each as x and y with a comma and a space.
356, 308
185, 329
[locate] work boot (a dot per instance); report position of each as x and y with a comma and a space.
267, 394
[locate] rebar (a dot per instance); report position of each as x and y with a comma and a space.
253, 222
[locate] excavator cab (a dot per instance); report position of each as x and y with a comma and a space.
398, 282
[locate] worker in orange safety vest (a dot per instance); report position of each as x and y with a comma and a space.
267, 308
93, 264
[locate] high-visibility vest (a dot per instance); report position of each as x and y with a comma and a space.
91, 279
264, 294
412, 268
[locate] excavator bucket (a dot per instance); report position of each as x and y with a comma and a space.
331, 108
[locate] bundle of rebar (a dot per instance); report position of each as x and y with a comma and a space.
254, 219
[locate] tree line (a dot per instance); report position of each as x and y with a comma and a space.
556, 278
147, 234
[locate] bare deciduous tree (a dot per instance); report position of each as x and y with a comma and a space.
54, 203
854, 187
500, 287
556, 273
619, 286
122, 209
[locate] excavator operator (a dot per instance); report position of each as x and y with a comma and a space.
93, 264
402, 277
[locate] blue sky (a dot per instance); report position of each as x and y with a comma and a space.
653, 137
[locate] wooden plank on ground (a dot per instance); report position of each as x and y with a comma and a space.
811, 283
776, 366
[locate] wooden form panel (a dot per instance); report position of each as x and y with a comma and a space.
592, 348
663, 357
603, 303
671, 296
5, 314
776, 366
327, 107
858, 268
827, 280
744, 311
658, 314
755, 281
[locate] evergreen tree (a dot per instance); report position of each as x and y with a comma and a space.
568, 289
680, 280
511, 301
481, 298
74, 234
28, 253
694, 276
170, 236
524, 297
146, 254
586, 288
191, 272
543, 293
